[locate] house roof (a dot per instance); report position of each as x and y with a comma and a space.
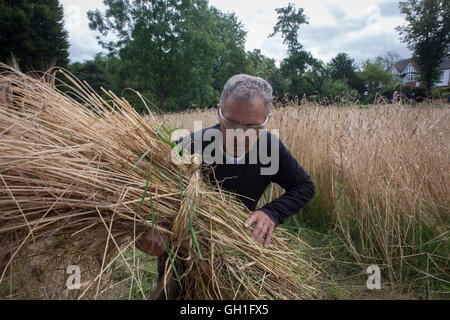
445, 64
402, 64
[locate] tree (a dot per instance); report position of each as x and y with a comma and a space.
389, 59
261, 66
427, 34
279, 84
230, 57
316, 79
342, 67
288, 24
264, 67
299, 60
155, 42
375, 76
338, 91
33, 32
93, 72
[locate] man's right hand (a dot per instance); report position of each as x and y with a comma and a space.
155, 248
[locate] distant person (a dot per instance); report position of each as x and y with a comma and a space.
395, 97
412, 99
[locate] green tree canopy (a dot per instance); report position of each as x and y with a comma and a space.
279, 84
427, 34
294, 66
375, 76
316, 79
33, 32
264, 67
342, 67
228, 40
288, 24
338, 91
261, 66
178, 53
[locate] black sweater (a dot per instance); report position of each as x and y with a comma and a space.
246, 179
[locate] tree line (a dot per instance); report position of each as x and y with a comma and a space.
179, 53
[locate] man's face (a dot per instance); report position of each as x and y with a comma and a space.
244, 113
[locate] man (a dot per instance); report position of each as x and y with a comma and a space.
244, 159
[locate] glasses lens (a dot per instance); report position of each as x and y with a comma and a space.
228, 124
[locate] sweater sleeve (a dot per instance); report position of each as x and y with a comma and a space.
299, 189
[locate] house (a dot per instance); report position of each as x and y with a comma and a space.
406, 70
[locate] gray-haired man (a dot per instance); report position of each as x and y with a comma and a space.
241, 164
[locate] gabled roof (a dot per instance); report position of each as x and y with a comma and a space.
402, 64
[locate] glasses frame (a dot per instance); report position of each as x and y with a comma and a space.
235, 125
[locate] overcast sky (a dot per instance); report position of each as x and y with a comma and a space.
362, 28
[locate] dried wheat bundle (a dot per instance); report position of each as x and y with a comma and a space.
75, 182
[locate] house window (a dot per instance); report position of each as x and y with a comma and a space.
410, 77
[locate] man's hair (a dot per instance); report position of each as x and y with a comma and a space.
246, 87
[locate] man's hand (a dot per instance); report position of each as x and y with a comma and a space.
155, 248
264, 227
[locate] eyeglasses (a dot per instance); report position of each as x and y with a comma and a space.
229, 124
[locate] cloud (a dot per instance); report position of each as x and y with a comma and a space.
367, 46
389, 8
336, 11
364, 36
323, 34
83, 44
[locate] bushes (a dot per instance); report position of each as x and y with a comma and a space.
440, 92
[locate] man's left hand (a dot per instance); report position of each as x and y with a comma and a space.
264, 227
